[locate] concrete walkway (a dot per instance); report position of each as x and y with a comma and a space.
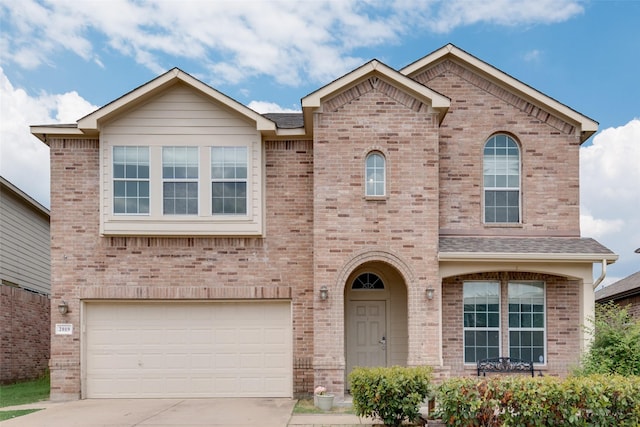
157, 413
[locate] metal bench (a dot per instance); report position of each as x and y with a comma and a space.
504, 365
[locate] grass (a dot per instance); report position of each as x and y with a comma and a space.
22, 393
306, 406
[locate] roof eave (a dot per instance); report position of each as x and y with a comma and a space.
42, 132
526, 257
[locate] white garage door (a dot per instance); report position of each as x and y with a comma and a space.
182, 349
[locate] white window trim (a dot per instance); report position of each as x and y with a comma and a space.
384, 175
519, 189
498, 329
203, 224
181, 180
544, 328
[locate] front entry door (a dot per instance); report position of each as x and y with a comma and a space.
367, 345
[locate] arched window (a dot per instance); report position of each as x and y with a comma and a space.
368, 281
375, 174
501, 180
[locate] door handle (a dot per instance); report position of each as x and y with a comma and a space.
383, 341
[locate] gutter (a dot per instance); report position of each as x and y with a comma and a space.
602, 274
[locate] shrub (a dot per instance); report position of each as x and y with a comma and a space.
598, 400
390, 394
616, 343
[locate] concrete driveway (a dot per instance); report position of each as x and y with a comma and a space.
159, 413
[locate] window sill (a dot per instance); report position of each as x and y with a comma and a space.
504, 225
376, 198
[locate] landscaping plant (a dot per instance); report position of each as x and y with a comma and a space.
616, 343
597, 400
392, 395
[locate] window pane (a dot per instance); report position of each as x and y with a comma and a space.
375, 175
501, 169
229, 180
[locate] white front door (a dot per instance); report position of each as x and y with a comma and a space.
367, 344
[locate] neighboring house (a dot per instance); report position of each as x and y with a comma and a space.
25, 274
423, 216
624, 292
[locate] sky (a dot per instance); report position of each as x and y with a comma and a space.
60, 60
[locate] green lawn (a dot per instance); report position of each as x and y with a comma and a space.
22, 393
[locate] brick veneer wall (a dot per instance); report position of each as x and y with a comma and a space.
87, 266
400, 229
24, 334
549, 150
632, 304
562, 317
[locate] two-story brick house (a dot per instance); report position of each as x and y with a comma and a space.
427, 215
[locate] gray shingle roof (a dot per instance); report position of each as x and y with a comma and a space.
286, 120
523, 245
628, 286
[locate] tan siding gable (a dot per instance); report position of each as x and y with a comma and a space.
179, 111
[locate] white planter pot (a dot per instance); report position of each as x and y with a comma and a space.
324, 401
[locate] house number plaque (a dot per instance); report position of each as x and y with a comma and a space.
64, 329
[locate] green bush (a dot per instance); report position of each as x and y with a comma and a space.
598, 400
616, 343
390, 394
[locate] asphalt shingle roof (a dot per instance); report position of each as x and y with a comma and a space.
286, 120
628, 286
531, 245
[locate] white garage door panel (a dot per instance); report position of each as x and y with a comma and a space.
147, 350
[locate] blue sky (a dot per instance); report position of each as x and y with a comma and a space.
61, 59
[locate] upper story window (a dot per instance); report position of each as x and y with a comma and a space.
229, 180
375, 174
177, 190
180, 180
131, 180
501, 170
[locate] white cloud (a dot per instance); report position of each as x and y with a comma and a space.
610, 193
286, 40
270, 107
24, 160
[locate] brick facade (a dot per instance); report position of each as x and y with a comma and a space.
24, 334
321, 230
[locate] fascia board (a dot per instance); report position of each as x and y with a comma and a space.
43, 131
526, 257
587, 126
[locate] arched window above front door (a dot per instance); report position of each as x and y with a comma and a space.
375, 175
367, 281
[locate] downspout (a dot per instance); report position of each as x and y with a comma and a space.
602, 274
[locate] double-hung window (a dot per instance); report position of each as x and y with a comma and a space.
229, 180
527, 321
131, 180
180, 180
481, 320
375, 175
501, 170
